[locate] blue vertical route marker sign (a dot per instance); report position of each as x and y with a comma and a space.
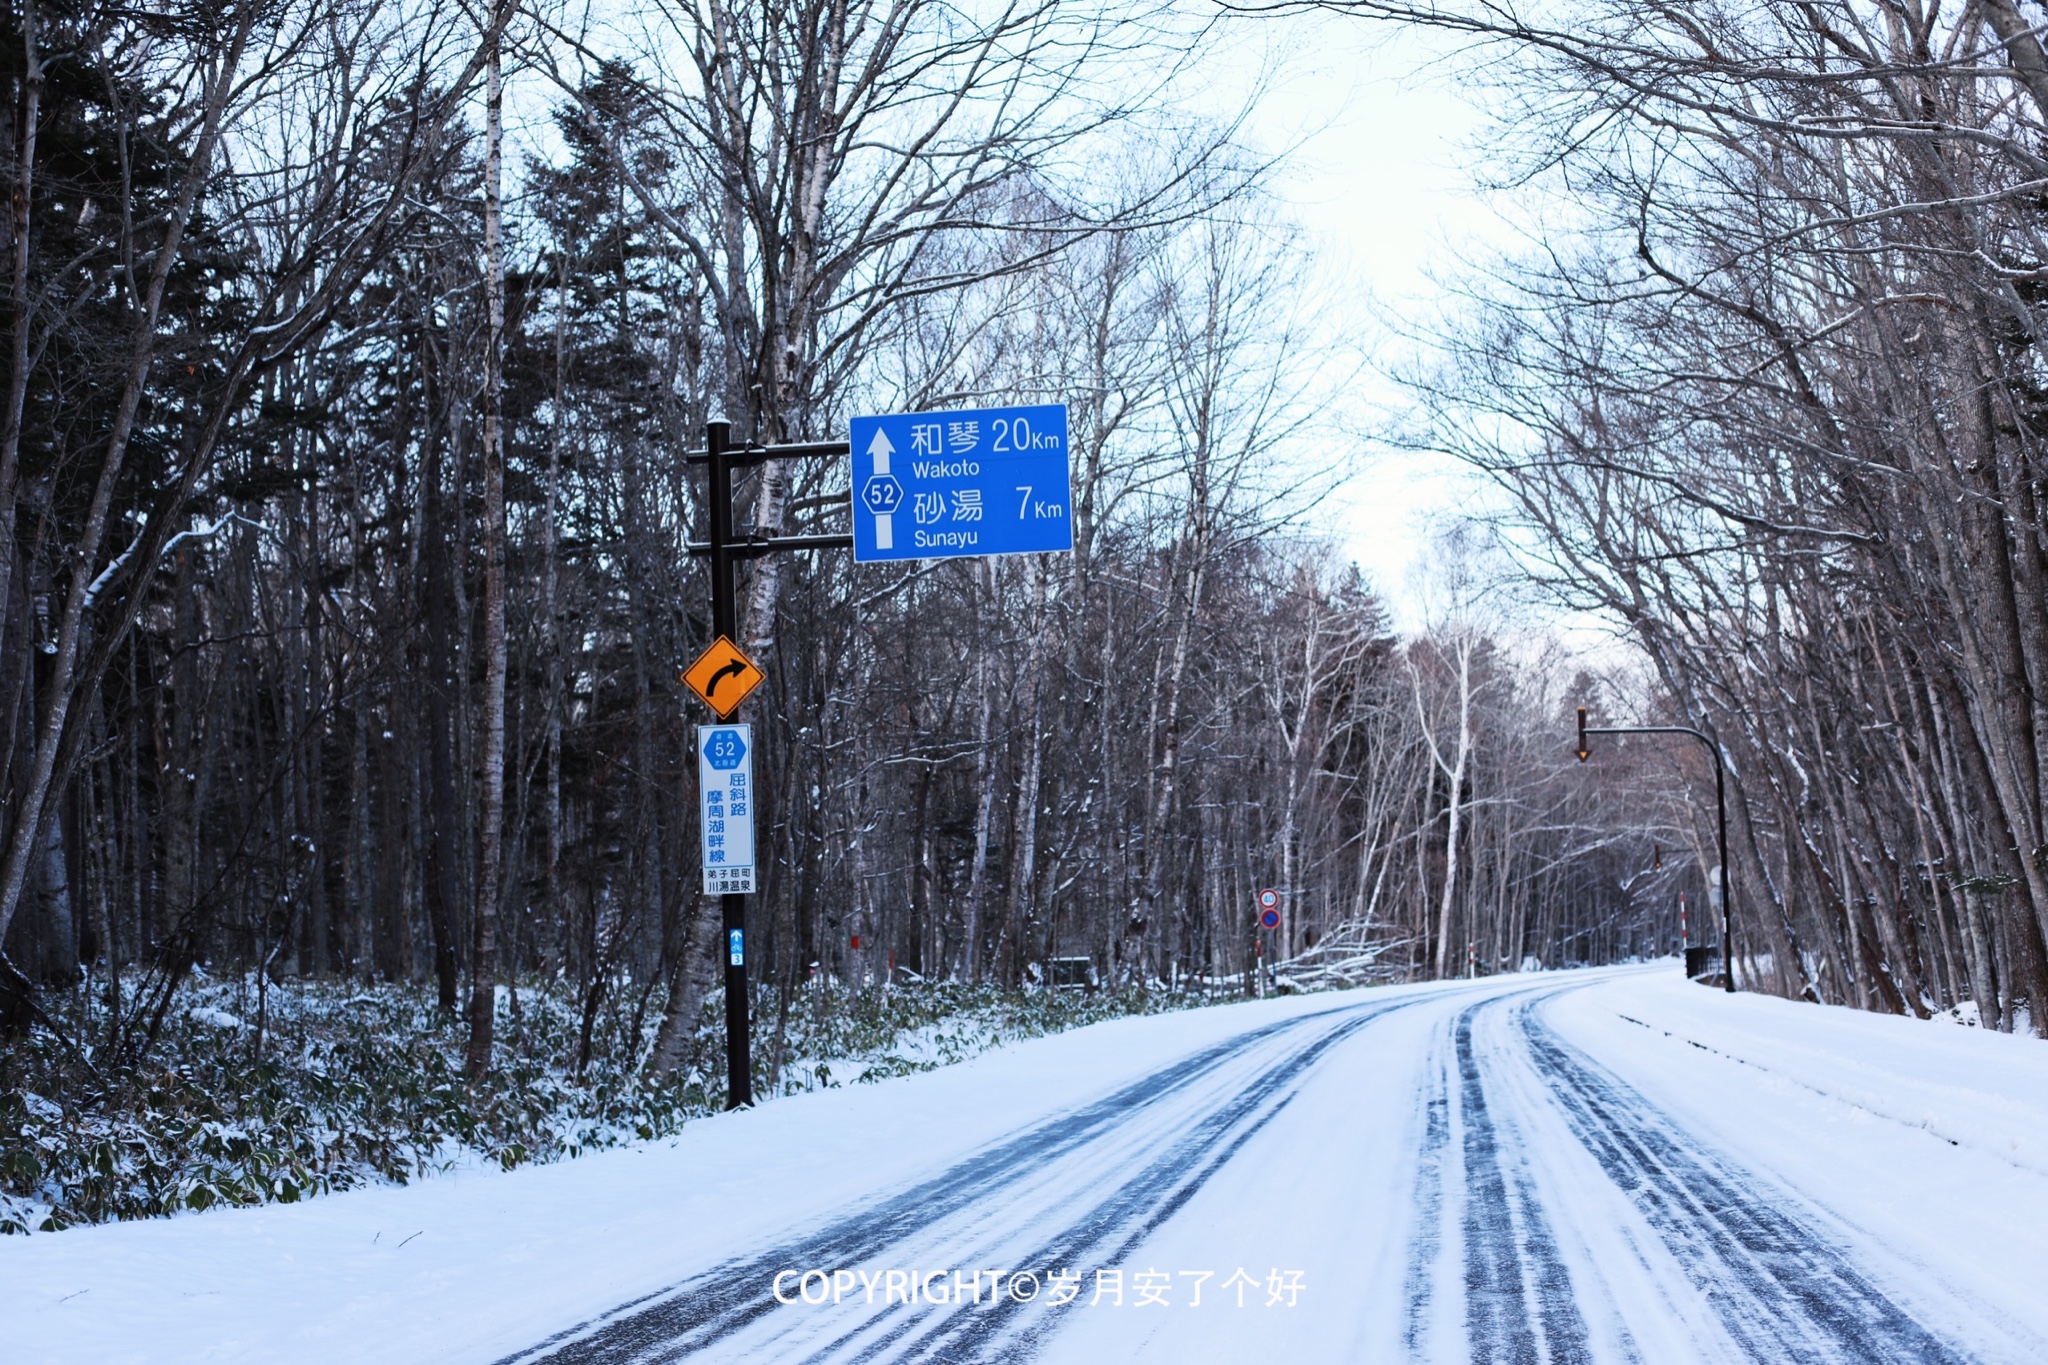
949, 485
725, 801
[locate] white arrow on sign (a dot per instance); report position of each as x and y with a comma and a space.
885, 525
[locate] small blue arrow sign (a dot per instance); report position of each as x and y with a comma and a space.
724, 750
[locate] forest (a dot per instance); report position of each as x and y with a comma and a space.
1772, 397
356, 352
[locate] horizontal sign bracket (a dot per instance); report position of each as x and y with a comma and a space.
754, 546
795, 450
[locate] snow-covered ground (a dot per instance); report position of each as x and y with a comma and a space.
1610, 1165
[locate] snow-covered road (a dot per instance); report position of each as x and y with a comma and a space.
1571, 1166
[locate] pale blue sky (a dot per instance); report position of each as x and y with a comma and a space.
1384, 184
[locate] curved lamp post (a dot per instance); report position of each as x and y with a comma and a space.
1720, 812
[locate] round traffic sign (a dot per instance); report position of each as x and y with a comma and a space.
1271, 919
1269, 899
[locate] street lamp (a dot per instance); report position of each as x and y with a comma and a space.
1720, 812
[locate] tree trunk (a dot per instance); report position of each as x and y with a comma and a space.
984, 802
483, 970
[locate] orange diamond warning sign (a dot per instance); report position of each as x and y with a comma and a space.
723, 677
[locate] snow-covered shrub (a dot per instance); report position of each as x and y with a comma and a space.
353, 1085
832, 1033
312, 1087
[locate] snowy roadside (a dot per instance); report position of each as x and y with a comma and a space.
236, 1096
1968, 1087
1912, 1142
1926, 1143
478, 1262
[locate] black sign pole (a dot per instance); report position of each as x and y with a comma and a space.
725, 550
1720, 814
739, 1066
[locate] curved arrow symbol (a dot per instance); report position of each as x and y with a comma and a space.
736, 669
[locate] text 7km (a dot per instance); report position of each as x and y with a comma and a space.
1026, 508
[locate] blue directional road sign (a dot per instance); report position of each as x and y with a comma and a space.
945, 485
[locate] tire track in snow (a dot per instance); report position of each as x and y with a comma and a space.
671, 1323
1426, 1241
1780, 1289
1518, 1295
1112, 1229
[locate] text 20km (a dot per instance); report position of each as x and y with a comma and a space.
1015, 433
